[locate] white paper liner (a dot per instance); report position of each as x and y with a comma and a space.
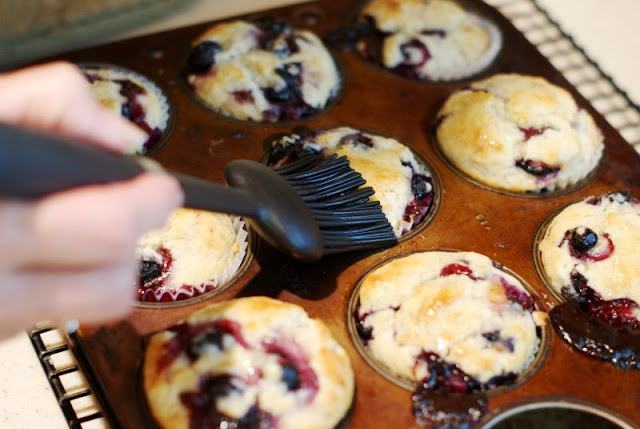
182, 293
118, 73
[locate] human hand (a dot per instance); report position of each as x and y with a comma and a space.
71, 255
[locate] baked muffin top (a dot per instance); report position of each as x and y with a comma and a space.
518, 133
588, 251
456, 306
428, 39
133, 96
193, 250
262, 70
402, 185
254, 362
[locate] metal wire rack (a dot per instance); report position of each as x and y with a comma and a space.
575, 64
79, 404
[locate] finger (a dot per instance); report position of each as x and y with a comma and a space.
55, 97
92, 296
86, 226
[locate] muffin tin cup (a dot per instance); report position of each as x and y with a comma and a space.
535, 364
468, 218
555, 413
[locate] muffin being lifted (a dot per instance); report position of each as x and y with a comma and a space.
518, 133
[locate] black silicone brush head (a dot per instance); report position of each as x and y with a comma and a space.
339, 203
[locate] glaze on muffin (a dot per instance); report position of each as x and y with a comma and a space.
518, 133
262, 70
427, 39
251, 362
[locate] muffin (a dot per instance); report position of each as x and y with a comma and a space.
134, 97
459, 306
250, 362
193, 253
518, 133
262, 70
589, 252
402, 185
427, 39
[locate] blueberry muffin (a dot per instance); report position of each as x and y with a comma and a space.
252, 363
193, 253
455, 308
589, 252
518, 133
262, 70
402, 185
427, 39
134, 97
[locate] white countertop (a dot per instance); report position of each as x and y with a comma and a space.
26, 399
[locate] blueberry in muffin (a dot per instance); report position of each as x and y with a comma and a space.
262, 70
518, 133
248, 363
403, 186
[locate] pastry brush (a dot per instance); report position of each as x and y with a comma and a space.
313, 207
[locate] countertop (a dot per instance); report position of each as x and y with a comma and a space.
26, 399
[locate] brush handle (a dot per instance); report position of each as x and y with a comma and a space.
34, 165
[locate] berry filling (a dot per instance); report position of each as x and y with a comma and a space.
203, 412
132, 109
287, 101
153, 274
517, 295
583, 244
452, 269
356, 139
243, 96
364, 332
618, 313
447, 396
496, 340
203, 57
192, 339
536, 168
531, 132
296, 371
590, 335
414, 55
272, 28
621, 197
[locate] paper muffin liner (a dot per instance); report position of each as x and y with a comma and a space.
147, 84
214, 284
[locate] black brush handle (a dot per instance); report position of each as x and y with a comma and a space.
34, 165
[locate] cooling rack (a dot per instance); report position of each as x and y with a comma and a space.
79, 402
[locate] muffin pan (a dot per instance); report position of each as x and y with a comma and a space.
468, 218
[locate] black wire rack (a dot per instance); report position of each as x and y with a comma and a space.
541, 30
